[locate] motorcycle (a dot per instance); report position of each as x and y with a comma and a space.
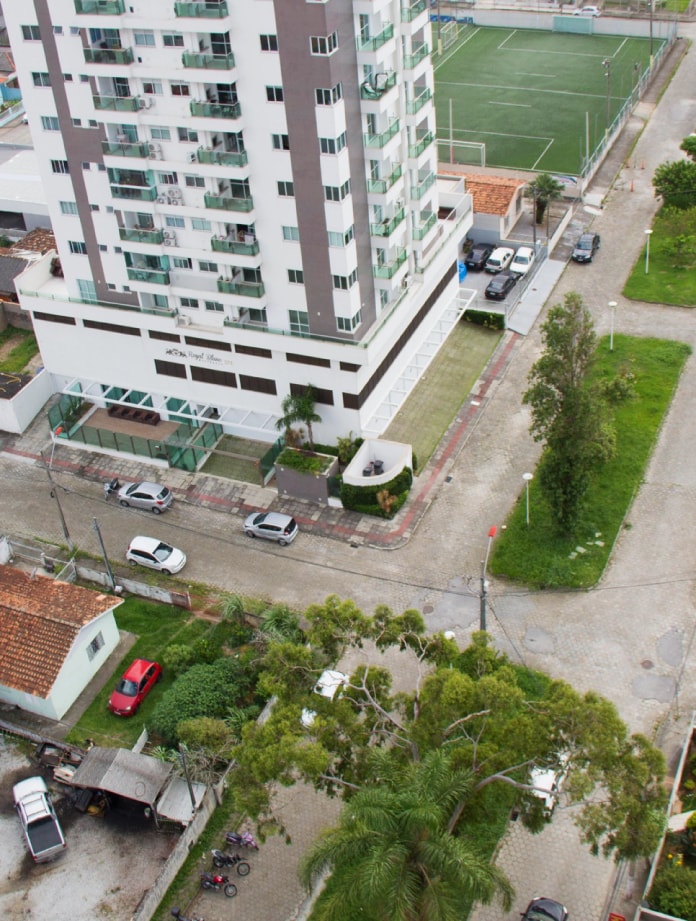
176, 913
246, 839
221, 859
219, 883
111, 487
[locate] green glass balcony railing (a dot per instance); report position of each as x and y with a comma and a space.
208, 61
379, 140
378, 85
410, 60
105, 7
390, 269
126, 149
380, 186
227, 203
415, 105
116, 103
216, 109
415, 150
372, 44
419, 190
239, 247
409, 12
201, 10
387, 227
108, 55
222, 157
133, 193
243, 288
140, 235
425, 227
156, 276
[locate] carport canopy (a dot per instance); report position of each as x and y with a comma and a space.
124, 773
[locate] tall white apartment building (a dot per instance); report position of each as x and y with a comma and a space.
245, 202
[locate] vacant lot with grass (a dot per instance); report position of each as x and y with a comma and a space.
669, 279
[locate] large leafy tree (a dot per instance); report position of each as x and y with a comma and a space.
393, 854
675, 183
299, 407
569, 415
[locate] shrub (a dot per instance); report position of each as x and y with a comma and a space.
302, 461
487, 318
674, 892
364, 498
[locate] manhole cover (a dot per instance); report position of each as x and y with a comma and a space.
428, 608
647, 664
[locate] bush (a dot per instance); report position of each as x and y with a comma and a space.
674, 892
364, 499
486, 318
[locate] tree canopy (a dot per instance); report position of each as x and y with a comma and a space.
675, 183
299, 407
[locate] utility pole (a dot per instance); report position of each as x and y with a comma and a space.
484, 590
106, 559
54, 495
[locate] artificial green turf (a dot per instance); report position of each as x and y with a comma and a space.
535, 98
664, 283
537, 555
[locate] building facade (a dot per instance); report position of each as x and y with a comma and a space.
245, 202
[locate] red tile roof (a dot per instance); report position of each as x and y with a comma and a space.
39, 621
491, 194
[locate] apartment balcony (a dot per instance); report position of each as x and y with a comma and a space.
108, 55
243, 288
104, 7
116, 103
208, 61
387, 227
140, 235
418, 191
390, 269
379, 140
222, 157
134, 193
201, 10
415, 150
380, 186
226, 203
125, 149
378, 85
412, 10
425, 227
154, 276
415, 105
248, 246
372, 44
419, 53
216, 109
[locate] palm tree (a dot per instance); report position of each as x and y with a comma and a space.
394, 855
299, 407
543, 190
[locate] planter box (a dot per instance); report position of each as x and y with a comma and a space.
312, 486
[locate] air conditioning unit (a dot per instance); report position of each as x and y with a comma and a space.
192, 157
184, 321
161, 200
143, 103
168, 234
169, 242
155, 151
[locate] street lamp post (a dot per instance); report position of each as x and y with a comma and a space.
607, 73
527, 477
484, 592
612, 310
648, 234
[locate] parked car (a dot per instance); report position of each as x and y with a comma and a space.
148, 551
548, 782
477, 256
272, 526
522, 261
500, 286
150, 496
588, 11
138, 680
499, 259
541, 909
40, 824
329, 685
586, 247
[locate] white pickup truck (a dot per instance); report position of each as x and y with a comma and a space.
39, 821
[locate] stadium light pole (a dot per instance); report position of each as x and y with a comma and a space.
484, 587
607, 73
612, 311
651, 5
648, 234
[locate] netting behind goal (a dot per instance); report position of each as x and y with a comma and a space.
467, 153
449, 33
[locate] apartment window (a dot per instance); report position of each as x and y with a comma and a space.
87, 290
160, 134
320, 394
206, 266
215, 306
84, 78
165, 337
96, 208
200, 223
299, 321
344, 282
50, 123
76, 122
337, 193
54, 318
103, 248
170, 368
268, 42
307, 360
348, 366
286, 189
328, 97
291, 233
171, 40
168, 178
323, 44
348, 324
68, 207
41, 79
182, 262
144, 39
67, 78
296, 276
161, 301
274, 93
258, 384
172, 221
212, 376
152, 88
180, 89
332, 145
252, 350
194, 182
95, 646
57, 30
281, 142
190, 302
111, 328
208, 343
60, 166
32, 34
341, 239
78, 247
187, 134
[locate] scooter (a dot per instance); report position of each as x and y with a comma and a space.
219, 883
176, 913
246, 839
111, 487
221, 859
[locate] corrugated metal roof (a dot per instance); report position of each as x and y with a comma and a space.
124, 773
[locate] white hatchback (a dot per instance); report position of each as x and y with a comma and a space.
523, 261
593, 11
499, 259
155, 554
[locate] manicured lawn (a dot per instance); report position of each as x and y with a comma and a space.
536, 555
664, 284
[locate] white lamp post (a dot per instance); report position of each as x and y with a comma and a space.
527, 477
648, 234
612, 310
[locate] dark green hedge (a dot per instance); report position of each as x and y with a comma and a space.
485, 318
363, 499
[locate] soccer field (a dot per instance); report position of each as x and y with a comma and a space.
538, 100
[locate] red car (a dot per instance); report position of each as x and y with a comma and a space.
137, 682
